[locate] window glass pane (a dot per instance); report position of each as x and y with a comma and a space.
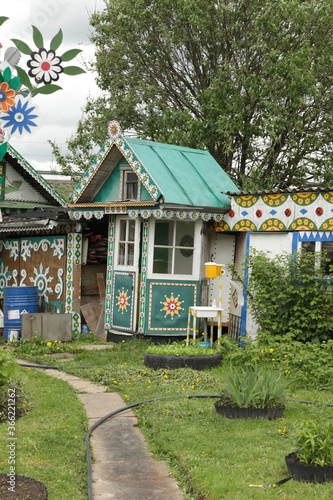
183, 261
123, 230
185, 234
164, 233
130, 186
130, 254
309, 246
132, 191
327, 247
121, 254
162, 260
131, 230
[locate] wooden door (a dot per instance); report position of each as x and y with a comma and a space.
125, 275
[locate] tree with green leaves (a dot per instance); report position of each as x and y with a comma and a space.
248, 80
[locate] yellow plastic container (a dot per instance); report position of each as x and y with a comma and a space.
212, 270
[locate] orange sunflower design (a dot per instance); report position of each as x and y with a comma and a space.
6, 97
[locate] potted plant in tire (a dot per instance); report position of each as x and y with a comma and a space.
253, 393
313, 459
177, 355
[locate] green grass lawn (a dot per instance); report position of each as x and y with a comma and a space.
50, 437
210, 456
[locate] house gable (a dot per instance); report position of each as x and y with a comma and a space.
24, 184
169, 174
115, 148
111, 190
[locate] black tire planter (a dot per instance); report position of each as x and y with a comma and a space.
308, 473
25, 487
248, 413
157, 361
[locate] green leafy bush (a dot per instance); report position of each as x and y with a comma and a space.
314, 443
255, 387
310, 363
289, 294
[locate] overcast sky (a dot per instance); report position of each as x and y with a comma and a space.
59, 112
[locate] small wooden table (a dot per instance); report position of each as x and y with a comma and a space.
204, 312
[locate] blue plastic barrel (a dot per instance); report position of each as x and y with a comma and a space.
17, 301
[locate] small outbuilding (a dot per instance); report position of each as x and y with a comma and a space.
39, 245
153, 205
277, 222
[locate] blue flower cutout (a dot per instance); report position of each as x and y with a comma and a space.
20, 117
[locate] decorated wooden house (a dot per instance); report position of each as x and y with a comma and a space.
277, 222
39, 244
151, 206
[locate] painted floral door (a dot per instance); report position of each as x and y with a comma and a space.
125, 275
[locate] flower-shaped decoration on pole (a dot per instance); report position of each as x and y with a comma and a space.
20, 116
6, 97
45, 66
114, 130
8, 89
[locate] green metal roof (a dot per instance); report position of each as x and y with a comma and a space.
180, 175
185, 176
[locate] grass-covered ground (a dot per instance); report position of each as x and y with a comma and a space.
210, 456
49, 444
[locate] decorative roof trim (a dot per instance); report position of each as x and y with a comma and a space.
49, 229
145, 214
133, 160
315, 236
274, 191
113, 204
36, 176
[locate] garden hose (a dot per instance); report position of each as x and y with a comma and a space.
46, 367
273, 485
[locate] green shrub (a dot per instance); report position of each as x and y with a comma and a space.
289, 294
310, 362
255, 387
314, 443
